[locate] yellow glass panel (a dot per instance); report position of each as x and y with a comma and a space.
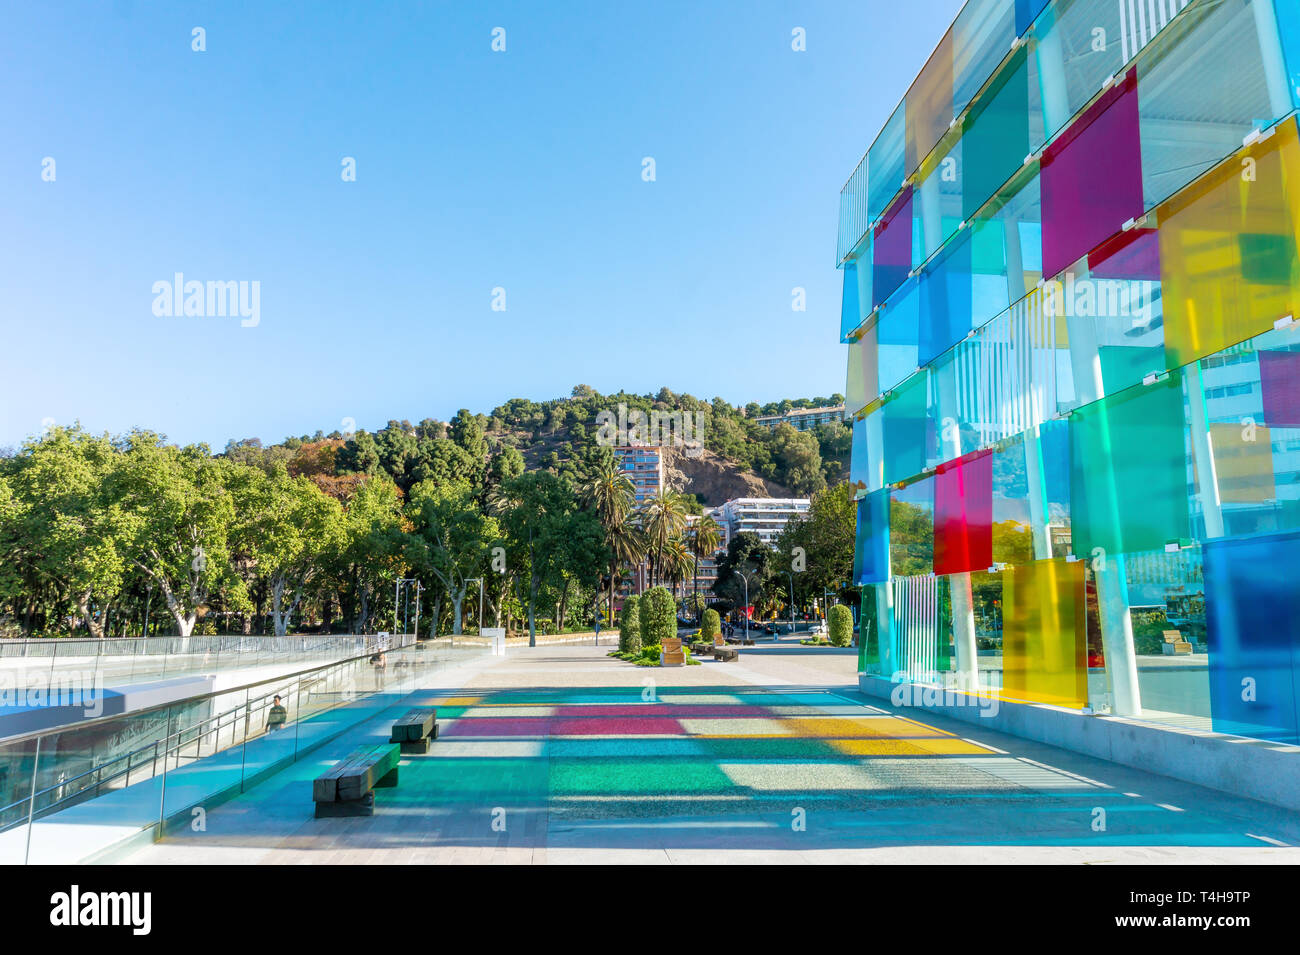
1044, 634
1243, 463
861, 385
1228, 259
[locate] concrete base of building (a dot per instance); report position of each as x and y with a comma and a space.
1255, 769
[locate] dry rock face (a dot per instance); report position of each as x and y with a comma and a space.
714, 478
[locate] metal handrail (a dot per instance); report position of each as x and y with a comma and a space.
406, 639
209, 726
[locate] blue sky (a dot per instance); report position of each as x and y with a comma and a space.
474, 170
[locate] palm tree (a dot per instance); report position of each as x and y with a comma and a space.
706, 536
663, 517
676, 559
628, 544
611, 495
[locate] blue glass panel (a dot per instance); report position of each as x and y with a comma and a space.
849, 303
946, 305
1254, 635
859, 464
871, 546
898, 336
1288, 16
1026, 11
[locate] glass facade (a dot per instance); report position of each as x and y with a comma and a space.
1071, 270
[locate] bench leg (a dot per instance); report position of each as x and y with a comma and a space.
365, 806
388, 781
415, 747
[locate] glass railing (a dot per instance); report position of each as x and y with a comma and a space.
77, 793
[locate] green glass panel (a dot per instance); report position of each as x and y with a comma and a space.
1129, 471
908, 434
996, 134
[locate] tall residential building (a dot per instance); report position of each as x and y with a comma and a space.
764, 516
1070, 274
802, 419
644, 467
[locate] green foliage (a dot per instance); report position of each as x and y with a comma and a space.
841, 625
658, 613
711, 625
629, 632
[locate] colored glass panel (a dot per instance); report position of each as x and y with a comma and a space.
1243, 463
929, 104
861, 382
1092, 178
885, 163
963, 514
892, 249
1279, 382
1228, 250
1026, 12
1288, 17
911, 529
898, 334
1254, 635
946, 306
1079, 44
871, 545
849, 302
1044, 633
995, 134
859, 463
938, 202
908, 431
983, 33
1129, 470
1201, 90
1011, 535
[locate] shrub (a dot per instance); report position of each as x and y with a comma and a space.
629, 626
841, 625
658, 616
710, 626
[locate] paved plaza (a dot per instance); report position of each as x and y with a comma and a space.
563, 755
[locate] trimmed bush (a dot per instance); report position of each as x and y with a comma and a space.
629, 626
841, 626
710, 626
658, 616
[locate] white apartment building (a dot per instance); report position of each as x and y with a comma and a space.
764, 516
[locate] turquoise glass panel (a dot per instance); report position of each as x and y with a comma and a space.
871, 545
849, 306
898, 336
995, 134
909, 430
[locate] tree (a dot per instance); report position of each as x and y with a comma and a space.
826, 534
747, 557
180, 513
841, 625
371, 549
710, 625
609, 492
663, 517
798, 459
658, 614
451, 539
705, 537
536, 506
629, 632
293, 531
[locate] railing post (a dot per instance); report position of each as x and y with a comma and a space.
31, 805
297, 697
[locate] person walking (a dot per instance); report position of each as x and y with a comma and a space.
277, 717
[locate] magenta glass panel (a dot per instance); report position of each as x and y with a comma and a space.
1279, 380
963, 514
1131, 255
892, 249
1092, 178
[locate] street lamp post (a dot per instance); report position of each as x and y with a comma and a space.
745, 578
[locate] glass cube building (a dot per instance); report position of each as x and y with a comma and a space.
1070, 280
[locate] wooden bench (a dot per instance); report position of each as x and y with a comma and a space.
347, 788
414, 730
1174, 644
725, 654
